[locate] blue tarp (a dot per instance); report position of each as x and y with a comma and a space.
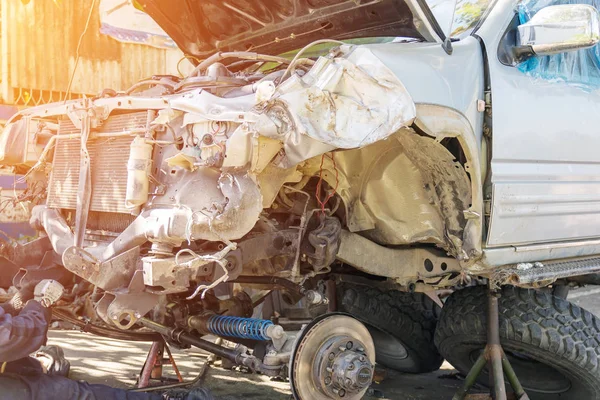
581, 67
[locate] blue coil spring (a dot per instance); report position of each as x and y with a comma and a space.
243, 328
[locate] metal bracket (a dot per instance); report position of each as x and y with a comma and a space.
84, 188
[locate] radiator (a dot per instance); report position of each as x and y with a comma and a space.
108, 165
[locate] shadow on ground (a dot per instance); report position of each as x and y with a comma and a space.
117, 363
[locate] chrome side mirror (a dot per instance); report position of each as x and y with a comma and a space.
561, 28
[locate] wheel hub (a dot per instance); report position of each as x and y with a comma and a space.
342, 367
333, 358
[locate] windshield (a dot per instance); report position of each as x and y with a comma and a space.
458, 18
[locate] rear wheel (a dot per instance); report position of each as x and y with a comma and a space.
402, 325
553, 345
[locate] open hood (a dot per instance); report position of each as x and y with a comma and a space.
202, 27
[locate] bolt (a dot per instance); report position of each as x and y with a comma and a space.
339, 392
331, 356
328, 381
362, 358
361, 349
329, 369
349, 345
351, 367
342, 348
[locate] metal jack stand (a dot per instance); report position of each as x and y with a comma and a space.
494, 356
152, 368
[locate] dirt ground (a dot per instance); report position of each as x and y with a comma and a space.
117, 363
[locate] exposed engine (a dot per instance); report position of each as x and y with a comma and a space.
179, 205
178, 185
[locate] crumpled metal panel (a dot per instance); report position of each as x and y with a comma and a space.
403, 190
338, 104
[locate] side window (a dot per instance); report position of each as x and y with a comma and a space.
580, 68
458, 18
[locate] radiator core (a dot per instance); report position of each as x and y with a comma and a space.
109, 158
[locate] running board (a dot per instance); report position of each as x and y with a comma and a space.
525, 273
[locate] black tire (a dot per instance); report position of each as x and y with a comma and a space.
402, 326
553, 345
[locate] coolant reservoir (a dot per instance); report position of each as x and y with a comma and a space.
138, 170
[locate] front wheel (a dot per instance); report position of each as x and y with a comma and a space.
401, 324
552, 344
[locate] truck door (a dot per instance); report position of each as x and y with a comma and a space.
545, 167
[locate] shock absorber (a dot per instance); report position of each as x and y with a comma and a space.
237, 327
243, 328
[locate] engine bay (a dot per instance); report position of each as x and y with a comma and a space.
179, 205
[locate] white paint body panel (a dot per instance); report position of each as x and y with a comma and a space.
545, 164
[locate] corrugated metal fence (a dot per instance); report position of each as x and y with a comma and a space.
38, 46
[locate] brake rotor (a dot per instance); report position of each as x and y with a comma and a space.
333, 358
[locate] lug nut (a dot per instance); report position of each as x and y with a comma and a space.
331, 356
328, 381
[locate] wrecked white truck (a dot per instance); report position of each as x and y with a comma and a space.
310, 207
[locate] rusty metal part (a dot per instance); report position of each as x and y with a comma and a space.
193, 382
528, 273
149, 366
494, 349
173, 364
494, 356
153, 366
404, 265
109, 275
